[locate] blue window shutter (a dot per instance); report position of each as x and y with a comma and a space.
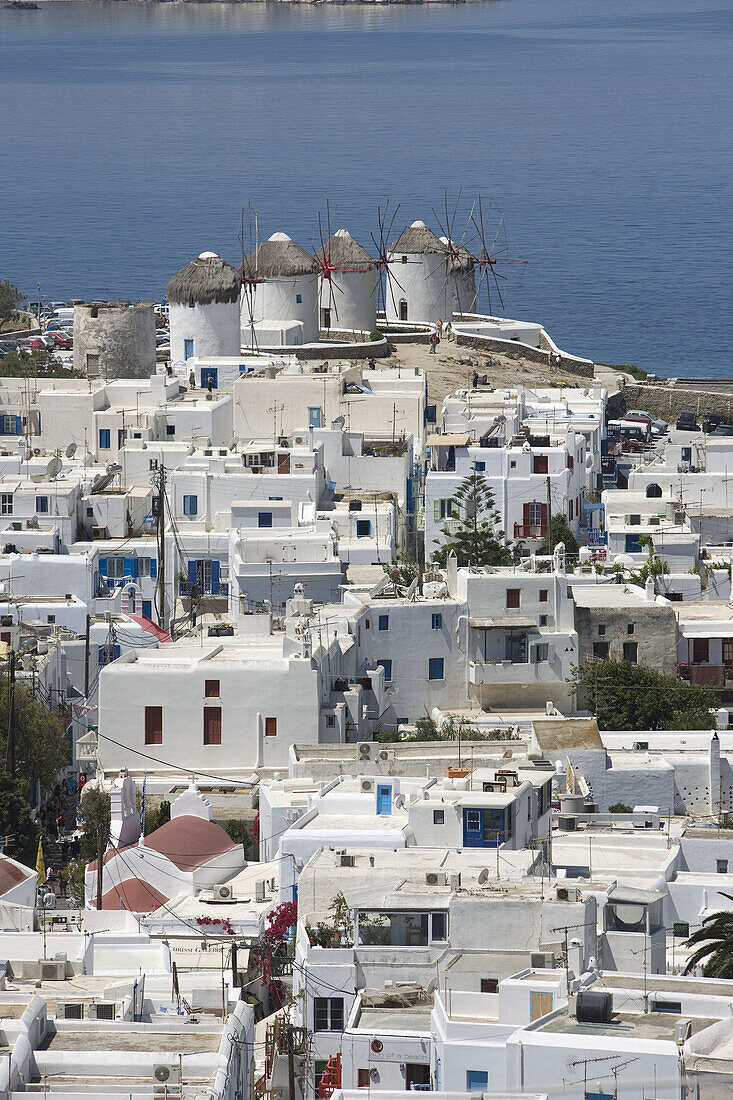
136, 568
127, 568
102, 563
19, 425
148, 608
153, 567
215, 578
192, 572
116, 652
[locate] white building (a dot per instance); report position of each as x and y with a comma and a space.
203, 309
279, 301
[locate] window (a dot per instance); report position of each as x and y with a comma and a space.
721, 866
92, 365
477, 1080
328, 1014
439, 927
515, 648
270, 727
570, 510
667, 1006
387, 666
299, 299
437, 620
41, 504
489, 985
571, 462
384, 622
115, 568
211, 689
51, 618
512, 597
170, 429
512, 465
479, 467
153, 725
601, 630
700, 651
330, 721
631, 651
363, 528
541, 653
543, 620
544, 593
401, 928
446, 509
264, 519
629, 628
104, 439
600, 650
143, 567
363, 1079
681, 929
534, 513
107, 653
438, 817
187, 349
687, 454
212, 725
435, 668
539, 464
190, 505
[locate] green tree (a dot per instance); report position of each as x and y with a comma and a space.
10, 299
155, 814
39, 364
714, 943
452, 729
96, 816
633, 697
403, 570
15, 821
473, 535
619, 808
561, 532
41, 747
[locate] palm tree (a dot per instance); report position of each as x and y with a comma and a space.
715, 938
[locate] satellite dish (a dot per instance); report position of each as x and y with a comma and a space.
71, 450
54, 467
114, 468
338, 423
483, 876
38, 477
233, 443
97, 480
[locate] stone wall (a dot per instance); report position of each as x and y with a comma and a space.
668, 401
544, 356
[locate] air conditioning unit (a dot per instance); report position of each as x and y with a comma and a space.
364, 750
386, 754
641, 746
347, 861
166, 1074
99, 532
260, 889
567, 893
682, 1030
223, 893
654, 521
102, 1010
71, 1010
542, 960
52, 971
299, 441
367, 786
436, 878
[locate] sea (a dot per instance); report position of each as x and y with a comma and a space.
133, 135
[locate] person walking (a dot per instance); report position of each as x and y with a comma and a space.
448, 330
474, 380
433, 341
439, 327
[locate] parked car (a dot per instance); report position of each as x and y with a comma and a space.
687, 422
36, 343
711, 421
632, 445
61, 340
723, 429
8, 345
655, 421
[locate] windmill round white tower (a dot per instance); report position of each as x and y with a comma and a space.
203, 304
347, 286
279, 302
420, 269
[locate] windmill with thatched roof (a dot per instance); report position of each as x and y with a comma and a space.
280, 306
203, 303
348, 284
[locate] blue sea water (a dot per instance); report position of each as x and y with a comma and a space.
133, 133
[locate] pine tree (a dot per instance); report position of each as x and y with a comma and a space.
16, 823
473, 536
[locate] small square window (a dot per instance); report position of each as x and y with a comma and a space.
170, 429
264, 519
479, 467
330, 721
544, 593
51, 618
299, 299
543, 620
512, 465
489, 985
270, 727
601, 630
438, 817
211, 689
435, 668
437, 620
363, 528
41, 504
363, 1079
512, 597
629, 628
190, 505
600, 650
721, 866
384, 622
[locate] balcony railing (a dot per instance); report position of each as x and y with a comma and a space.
530, 530
221, 588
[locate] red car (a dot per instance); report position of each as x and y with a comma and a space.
35, 343
632, 445
61, 340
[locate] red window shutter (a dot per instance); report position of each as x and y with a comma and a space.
570, 510
212, 725
153, 725
525, 515
270, 727
544, 514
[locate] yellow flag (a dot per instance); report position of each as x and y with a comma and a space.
40, 863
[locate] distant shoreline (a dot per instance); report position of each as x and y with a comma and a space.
298, 3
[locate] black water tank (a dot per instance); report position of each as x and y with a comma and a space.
593, 1007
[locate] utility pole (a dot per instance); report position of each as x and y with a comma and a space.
100, 867
86, 658
11, 714
161, 547
549, 516
291, 1061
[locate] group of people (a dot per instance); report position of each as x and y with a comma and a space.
440, 331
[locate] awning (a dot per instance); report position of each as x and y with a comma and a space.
632, 895
520, 621
452, 440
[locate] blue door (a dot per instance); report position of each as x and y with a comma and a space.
148, 609
187, 349
384, 800
314, 417
473, 829
209, 375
